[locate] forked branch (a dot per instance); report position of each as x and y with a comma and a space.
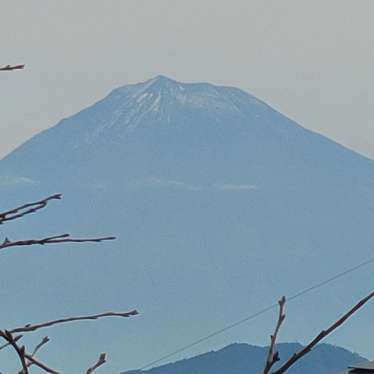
15, 338
29, 363
40, 364
26, 359
26, 209
101, 361
273, 354
298, 355
20, 350
44, 341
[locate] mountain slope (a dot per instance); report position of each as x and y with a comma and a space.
221, 205
244, 358
161, 126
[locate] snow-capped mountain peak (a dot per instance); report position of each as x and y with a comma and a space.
163, 119
159, 99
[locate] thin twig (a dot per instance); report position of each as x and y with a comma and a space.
38, 326
43, 342
26, 209
64, 238
273, 355
101, 361
298, 355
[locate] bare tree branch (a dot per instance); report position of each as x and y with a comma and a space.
64, 238
38, 326
26, 209
11, 68
26, 359
7, 335
298, 355
43, 342
273, 355
36, 362
101, 361
36, 349
16, 338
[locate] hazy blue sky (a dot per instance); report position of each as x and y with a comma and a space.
312, 60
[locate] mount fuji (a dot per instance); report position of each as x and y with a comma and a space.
221, 205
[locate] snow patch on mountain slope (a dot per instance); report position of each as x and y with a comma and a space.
11, 181
157, 99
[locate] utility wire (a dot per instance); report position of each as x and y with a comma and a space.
259, 313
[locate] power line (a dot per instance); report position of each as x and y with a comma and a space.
259, 313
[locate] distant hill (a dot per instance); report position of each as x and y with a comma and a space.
249, 359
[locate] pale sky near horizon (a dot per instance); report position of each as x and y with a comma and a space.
312, 60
